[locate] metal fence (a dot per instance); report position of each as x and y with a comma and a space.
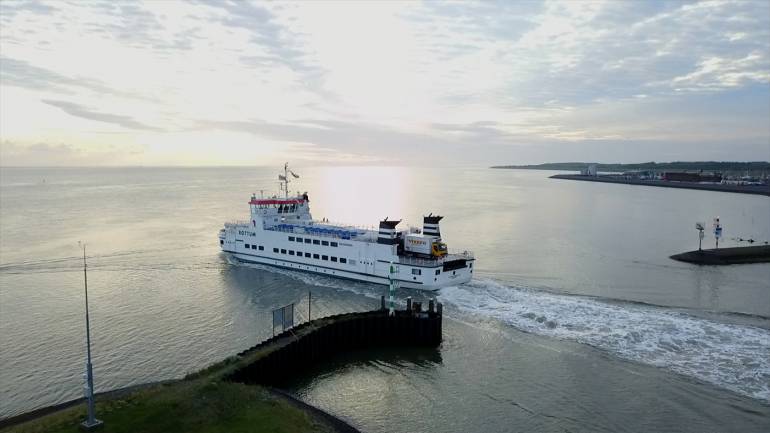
303, 309
283, 318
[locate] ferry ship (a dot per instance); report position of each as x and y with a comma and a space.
282, 232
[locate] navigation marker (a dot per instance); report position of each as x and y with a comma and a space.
717, 230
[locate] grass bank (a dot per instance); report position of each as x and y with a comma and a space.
203, 402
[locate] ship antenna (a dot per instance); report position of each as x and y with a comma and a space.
286, 180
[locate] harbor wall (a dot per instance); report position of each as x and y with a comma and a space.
303, 346
726, 256
741, 189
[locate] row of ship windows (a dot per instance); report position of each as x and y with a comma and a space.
417, 271
315, 256
319, 256
300, 253
314, 241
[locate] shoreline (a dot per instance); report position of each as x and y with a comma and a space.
739, 189
239, 390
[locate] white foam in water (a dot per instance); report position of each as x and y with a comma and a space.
735, 357
731, 356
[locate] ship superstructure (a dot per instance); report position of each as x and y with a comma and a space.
282, 232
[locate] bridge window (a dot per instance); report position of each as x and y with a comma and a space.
416, 272
325, 243
299, 253
261, 248
316, 242
253, 247
307, 255
291, 238
324, 257
334, 244
307, 241
246, 245
343, 260
291, 252
283, 251
334, 259
315, 256
299, 240
438, 271
275, 250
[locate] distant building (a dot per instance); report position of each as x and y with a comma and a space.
677, 176
590, 170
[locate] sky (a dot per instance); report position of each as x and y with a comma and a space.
159, 83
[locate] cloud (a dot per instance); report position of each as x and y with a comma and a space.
47, 154
716, 73
20, 73
12, 8
86, 113
273, 44
458, 81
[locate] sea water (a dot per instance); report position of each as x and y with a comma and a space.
576, 318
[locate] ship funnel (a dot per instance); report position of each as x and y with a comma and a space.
387, 234
430, 225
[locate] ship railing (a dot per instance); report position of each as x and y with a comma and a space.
457, 254
344, 232
410, 260
237, 223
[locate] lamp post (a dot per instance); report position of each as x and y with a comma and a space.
91, 422
700, 227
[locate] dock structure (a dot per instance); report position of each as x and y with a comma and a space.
290, 352
726, 256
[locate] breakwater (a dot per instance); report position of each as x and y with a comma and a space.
726, 256
267, 363
288, 353
742, 189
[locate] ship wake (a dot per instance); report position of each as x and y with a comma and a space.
735, 357
731, 356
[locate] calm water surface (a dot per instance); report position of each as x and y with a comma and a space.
576, 319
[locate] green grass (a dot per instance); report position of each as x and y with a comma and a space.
203, 402
206, 404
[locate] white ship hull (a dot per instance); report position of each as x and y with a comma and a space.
364, 261
281, 232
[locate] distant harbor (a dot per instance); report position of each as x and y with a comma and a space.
725, 176
706, 186
730, 169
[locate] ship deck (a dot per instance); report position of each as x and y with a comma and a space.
436, 261
328, 230
360, 234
